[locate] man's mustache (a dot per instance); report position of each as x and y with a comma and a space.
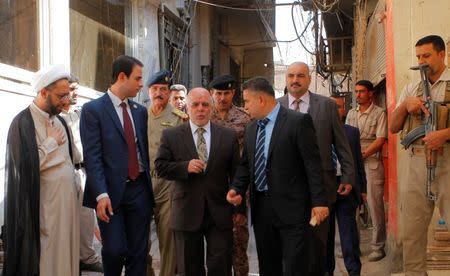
296, 83
158, 97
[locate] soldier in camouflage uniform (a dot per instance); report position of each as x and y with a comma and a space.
162, 115
228, 115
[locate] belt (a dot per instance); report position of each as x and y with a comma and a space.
262, 193
420, 150
79, 166
141, 174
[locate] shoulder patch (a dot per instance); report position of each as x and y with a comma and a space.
180, 114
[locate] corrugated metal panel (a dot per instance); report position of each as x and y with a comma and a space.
375, 61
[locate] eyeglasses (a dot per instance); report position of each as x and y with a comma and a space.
63, 97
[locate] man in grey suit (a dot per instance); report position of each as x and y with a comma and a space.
331, 140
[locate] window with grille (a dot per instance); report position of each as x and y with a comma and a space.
173, 48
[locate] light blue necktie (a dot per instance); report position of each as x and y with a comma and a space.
260, 159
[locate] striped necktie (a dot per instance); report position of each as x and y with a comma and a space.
260, 159
334, 157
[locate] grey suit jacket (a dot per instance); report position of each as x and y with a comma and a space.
329, 131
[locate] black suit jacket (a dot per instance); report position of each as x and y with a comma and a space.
192, 193
293, 168
353, 137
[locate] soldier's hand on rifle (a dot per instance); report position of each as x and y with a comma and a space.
415, 105
436, 139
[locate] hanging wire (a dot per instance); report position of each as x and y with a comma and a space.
299, 36
323, 6
258, 9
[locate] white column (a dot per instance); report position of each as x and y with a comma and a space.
54, 32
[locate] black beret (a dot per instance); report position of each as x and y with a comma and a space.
224, 82
162, 77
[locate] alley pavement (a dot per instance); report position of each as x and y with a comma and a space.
379, 268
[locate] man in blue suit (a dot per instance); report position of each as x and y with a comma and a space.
114, 136
346, 205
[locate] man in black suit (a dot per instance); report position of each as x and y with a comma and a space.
201, 157
346, 205
281, 163
330, 134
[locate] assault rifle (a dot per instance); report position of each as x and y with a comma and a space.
429, 124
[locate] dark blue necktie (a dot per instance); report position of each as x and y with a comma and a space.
260, 159
334, 157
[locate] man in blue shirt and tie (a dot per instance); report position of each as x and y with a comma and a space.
281, 166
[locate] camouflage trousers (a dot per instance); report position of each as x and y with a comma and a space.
240, 243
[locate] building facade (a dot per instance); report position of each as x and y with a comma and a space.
196, 40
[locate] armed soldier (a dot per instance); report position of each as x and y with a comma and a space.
417, 205
371, 122
228, 115
162, 115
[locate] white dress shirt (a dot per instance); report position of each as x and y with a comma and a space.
303, 105
206, 134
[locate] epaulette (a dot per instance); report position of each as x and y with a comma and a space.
180, 114
241, 109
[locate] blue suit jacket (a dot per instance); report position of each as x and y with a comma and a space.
353, 137
105, 149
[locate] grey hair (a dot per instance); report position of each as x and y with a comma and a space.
178, 87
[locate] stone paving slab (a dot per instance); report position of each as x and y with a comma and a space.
368, 268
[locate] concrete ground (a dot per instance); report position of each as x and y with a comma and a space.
379, 268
